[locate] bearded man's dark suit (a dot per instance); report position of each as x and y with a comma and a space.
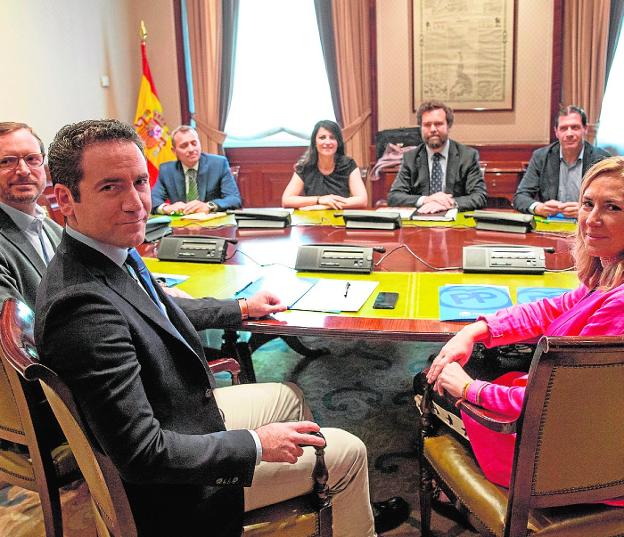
464, 180
144, 387
21, 267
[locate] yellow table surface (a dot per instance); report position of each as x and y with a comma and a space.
328, 218
418, 291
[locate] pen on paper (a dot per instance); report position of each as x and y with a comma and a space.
244, 288
347, 289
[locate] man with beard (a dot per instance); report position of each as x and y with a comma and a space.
28, 239
551, 183
438, 174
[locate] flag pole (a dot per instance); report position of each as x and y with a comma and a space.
143, 31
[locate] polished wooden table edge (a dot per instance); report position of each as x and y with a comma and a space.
365, 328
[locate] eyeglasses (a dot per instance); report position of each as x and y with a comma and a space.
32, 160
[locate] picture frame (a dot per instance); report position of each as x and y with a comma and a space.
463, 53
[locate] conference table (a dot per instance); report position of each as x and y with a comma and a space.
419, 257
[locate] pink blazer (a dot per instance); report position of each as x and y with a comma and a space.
577, 312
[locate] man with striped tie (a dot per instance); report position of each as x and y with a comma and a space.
196, 182
440, 173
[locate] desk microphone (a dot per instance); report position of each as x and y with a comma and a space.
379, 249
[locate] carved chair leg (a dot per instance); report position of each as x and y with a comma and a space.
425, 483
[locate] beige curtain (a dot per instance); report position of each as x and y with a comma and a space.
585, 40
204, 21
351, 34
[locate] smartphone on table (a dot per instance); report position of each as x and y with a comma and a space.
385, 300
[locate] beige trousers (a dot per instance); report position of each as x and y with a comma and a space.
248, 406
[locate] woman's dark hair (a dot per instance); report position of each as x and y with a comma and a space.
310, 157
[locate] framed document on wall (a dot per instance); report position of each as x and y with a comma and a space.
463, 53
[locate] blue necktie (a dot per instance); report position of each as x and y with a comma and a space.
436, 174
135, 262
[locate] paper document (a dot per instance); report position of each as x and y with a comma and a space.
334, 296
405, 212
467, 302
203, 216
286, 285
442, 216
170, 280
531, 294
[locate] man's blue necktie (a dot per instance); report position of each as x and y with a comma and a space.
436, 174
135, 262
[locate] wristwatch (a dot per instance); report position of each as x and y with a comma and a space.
212, 206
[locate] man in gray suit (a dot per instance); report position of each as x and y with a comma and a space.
551, 183
439, 174
28, 239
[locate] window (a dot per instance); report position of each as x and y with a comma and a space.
280, 82
612, 114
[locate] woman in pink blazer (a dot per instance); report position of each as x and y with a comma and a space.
596, 307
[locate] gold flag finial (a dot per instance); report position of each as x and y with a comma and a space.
143, 31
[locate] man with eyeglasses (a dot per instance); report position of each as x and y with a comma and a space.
28, 239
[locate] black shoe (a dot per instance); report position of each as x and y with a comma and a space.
390, 514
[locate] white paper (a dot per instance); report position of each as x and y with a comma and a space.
329, 296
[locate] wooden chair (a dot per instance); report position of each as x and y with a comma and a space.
48, 464
308, 515
569, 449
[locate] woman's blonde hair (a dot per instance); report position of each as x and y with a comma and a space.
590, 269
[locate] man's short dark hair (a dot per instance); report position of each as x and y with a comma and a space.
181, 128
572, 109
429, 106
7, 127
69, 144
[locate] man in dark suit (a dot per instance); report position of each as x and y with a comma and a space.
439, 174
132, 358
552, 181
196, 182
28, 238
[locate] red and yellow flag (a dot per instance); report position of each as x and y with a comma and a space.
150, 123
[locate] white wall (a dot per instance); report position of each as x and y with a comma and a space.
54, 53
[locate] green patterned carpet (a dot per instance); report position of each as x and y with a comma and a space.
364, 387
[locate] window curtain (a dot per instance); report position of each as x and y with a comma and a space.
204, 24
229, 25
585, 40
615, 28
351, 21
325, 23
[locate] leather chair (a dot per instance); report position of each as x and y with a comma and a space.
568, 453
309, 515
48, 463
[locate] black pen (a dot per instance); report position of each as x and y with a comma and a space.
347, 289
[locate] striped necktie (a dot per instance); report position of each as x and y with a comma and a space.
192, 193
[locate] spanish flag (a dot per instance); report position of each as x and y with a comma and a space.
149, 121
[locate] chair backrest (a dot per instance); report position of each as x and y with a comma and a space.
21, 421
570, 439
112, 510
